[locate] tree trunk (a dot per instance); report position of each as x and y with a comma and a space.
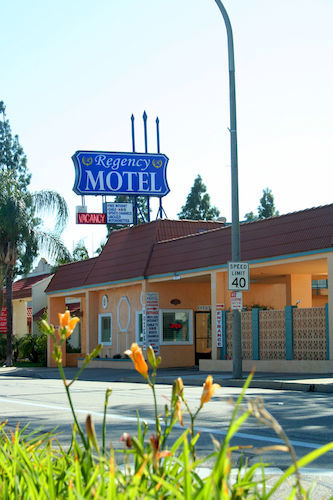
2, 275
9, 304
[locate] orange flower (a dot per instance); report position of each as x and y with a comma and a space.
67, 323
208, 390
135, 353
179, 411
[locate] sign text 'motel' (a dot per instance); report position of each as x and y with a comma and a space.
106, 173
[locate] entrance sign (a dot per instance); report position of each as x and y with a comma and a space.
83, 218
219, 325
152, 321
107, 173
236, 300
119, 213
238, 276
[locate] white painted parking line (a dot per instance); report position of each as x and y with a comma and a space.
117, 416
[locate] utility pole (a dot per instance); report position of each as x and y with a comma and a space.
235, 238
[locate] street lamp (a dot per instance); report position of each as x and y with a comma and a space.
235, 239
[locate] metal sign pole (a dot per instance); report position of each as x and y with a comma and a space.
146, 151
160, 210
135, 198
235, 233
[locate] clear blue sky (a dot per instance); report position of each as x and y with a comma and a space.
73, 72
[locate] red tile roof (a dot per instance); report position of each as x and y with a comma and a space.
165, 246
22, 287
125, 255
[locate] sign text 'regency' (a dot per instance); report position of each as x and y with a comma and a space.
106, 173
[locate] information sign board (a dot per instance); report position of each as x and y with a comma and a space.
152, 321
236, 300
238, 276
119, 213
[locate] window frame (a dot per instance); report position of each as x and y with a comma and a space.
190, 327
137, 326
100, 317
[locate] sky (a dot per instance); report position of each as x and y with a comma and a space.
72, 72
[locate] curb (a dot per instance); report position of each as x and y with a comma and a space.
196, 380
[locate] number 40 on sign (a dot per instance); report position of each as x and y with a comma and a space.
238, 276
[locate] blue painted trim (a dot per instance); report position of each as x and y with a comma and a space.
255, 333
223, 350
288, 312
327, 333
108, 283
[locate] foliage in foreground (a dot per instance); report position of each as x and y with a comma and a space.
151, 465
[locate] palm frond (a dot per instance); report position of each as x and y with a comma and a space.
51, 202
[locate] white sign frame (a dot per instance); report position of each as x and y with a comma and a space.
238, 276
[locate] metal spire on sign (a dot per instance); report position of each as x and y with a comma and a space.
160, 209
135, 198
133, 134
144, 116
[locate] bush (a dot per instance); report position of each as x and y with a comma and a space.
3, 347
33, 347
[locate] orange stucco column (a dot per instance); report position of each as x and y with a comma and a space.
299, 288
55, 305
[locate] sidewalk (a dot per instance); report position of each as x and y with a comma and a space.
191, 376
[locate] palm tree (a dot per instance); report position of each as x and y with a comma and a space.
21, 235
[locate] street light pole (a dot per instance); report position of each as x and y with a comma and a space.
235, 239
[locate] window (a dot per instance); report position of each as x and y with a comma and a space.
139, 327
73, 343
105, 329
176, 326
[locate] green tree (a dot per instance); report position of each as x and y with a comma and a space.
265, 209
250, 217
197, 206
21, 232
80, 252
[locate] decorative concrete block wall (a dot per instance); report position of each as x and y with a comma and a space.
289, 334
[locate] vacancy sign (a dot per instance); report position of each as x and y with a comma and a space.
238, 276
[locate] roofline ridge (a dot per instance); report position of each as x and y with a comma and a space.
288, 213
194, 234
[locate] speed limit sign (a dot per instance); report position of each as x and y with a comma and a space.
238, 276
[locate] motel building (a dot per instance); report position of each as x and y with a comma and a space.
167, 281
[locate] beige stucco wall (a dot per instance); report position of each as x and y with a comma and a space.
20, 327
272, 296
39, 298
